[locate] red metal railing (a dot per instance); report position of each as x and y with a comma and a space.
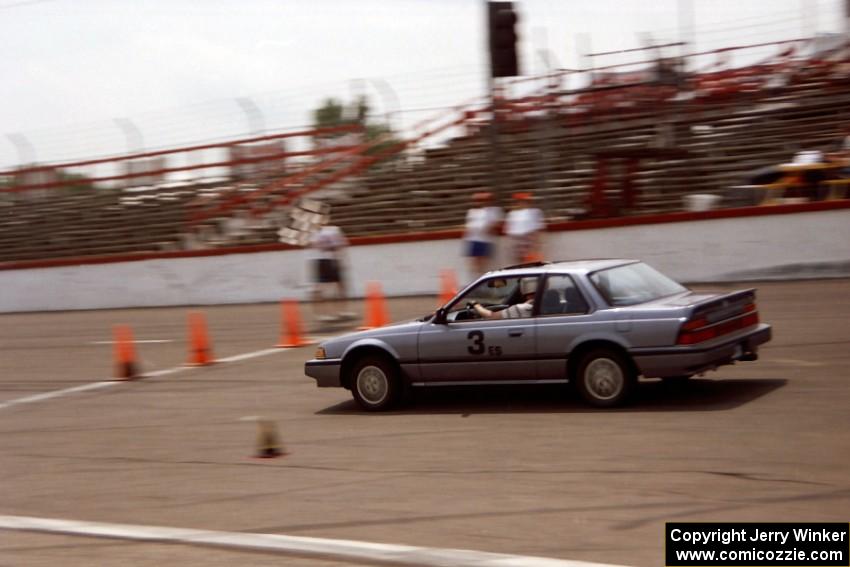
337, 162
79, 169
362, 162
348, 162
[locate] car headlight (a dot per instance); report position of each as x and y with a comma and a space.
320, 353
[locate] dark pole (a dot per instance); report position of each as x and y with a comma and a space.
847, 20
501, 44
497, 184
492, 129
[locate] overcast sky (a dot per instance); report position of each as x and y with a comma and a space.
175, 68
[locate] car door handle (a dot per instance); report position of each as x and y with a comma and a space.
516, 332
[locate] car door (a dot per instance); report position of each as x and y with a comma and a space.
563, 316
478, 350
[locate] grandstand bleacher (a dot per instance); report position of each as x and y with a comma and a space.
573, 151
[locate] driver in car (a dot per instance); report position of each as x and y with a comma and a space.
527, 287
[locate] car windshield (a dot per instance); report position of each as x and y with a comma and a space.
633, 284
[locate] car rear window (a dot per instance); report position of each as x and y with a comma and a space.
633, 283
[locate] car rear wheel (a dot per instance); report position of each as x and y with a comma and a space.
374, 383
604, 378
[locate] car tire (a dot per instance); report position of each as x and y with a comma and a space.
604, 378
375, 383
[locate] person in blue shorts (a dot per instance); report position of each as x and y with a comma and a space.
483, 222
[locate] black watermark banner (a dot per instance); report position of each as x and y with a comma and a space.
757, 544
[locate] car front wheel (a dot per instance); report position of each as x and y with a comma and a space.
604, 378
374, 383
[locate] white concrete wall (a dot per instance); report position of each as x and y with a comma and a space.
729, 249
774, 246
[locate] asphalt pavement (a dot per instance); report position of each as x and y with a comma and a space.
522, 471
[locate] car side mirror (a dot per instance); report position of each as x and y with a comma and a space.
440, 317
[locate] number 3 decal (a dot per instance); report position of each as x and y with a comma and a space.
477, 346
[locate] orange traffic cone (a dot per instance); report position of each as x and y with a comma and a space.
448, 286
200, 353
291, 328
125, 353
376, 307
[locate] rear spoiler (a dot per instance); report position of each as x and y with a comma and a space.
725, 306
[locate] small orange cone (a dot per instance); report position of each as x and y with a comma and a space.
291, 328
200, 353
448, 286
376, 307
125, 353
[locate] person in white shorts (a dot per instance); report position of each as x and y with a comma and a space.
523, 226
328, 244
483, 221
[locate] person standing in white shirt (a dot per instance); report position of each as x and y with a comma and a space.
328, 244
483, 221
523, 226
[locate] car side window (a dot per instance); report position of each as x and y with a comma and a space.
562, 297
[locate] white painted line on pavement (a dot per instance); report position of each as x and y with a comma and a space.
166, 371
323, 547
247, 355
55, 394
153, 374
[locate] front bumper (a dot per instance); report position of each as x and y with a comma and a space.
684, 360
325, 372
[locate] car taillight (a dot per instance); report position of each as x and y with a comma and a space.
694, 324
699, 330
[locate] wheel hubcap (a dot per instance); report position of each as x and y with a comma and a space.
604, 378
372, 384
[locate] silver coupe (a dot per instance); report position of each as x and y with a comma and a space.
596, 324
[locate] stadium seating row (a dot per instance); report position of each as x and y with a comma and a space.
554, 153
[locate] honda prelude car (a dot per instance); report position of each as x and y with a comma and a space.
597, 324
